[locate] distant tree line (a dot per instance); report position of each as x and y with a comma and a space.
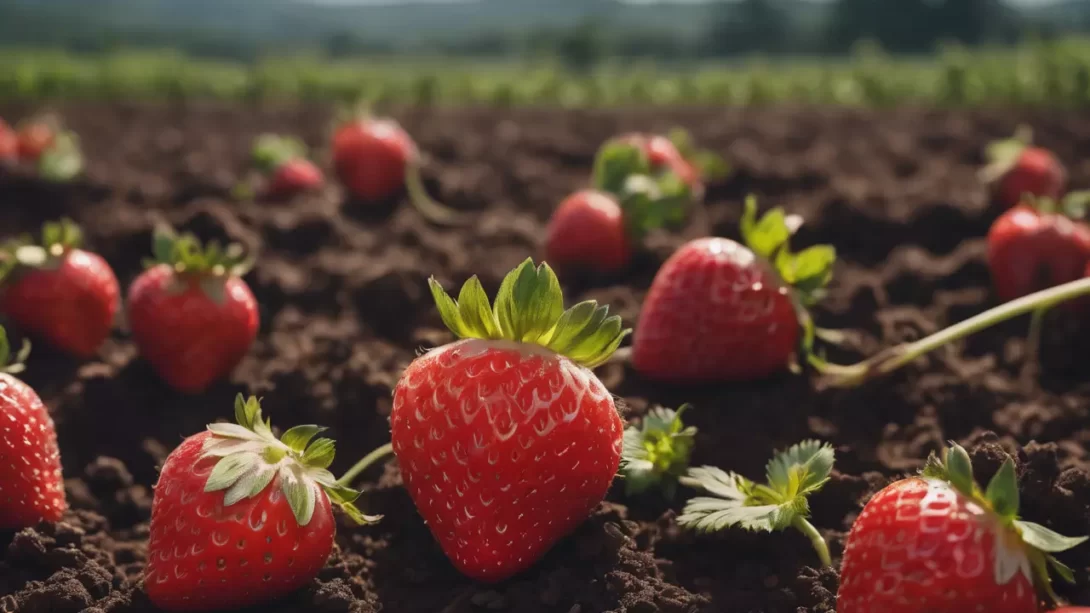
767, 27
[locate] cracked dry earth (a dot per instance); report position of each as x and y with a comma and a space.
345, 307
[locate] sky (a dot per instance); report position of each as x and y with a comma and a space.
1013, 2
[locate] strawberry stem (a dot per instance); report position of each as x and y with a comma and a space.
804, 526
895, 357
369, 459
431, 209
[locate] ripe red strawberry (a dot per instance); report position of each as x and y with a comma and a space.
940, 544
1016, 169
241, 518
506, 439
375, 158
34, 137
677, 153
588, 231
283, 160
31, 487
293, 177
191, 314
596, 229
59, 292
9, 143
1035, 246
721, 311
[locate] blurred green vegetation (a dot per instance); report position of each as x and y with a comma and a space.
1052, 73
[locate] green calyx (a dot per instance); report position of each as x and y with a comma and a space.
63, 160
529, 308
782, 502
656, 454
1002, 155
272, 150
251, 458
8, 363
186, 255
712, 166
57, 239
1001, 498
648, 199
1074, 205
807, 272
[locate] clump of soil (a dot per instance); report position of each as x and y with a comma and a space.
345, 307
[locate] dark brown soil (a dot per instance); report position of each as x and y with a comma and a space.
345, 307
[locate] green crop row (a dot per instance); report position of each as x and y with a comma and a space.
1036, 74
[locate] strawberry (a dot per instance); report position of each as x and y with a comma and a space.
1016, 168
506, 439
938, 543
283, 160
59, 292
191, 314
676, 153
587, 230
31, 485
721, 311
783, 502
294, 176
240, 517
34, 137
1035, 245
9, 143
595, 229
375, 158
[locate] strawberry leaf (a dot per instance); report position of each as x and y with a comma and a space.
62, 161
657, 453
7, 364
529, 302
649, 202
1076, 204
1063, 570
1002, 155
803, 469
250, 459
808, 272
1002, 491
764, 235
712, 167
186, 255
300, 436
615, 162
529, 308
783, 502
1040, 537
272, 150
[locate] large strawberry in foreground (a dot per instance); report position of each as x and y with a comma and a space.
191, 314
506, 439
939, 544
240, 517
59, 292
721, 311
31, 487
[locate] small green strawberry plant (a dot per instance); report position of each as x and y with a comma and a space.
656, 453
782, 502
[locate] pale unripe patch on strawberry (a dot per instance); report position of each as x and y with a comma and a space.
506, 439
